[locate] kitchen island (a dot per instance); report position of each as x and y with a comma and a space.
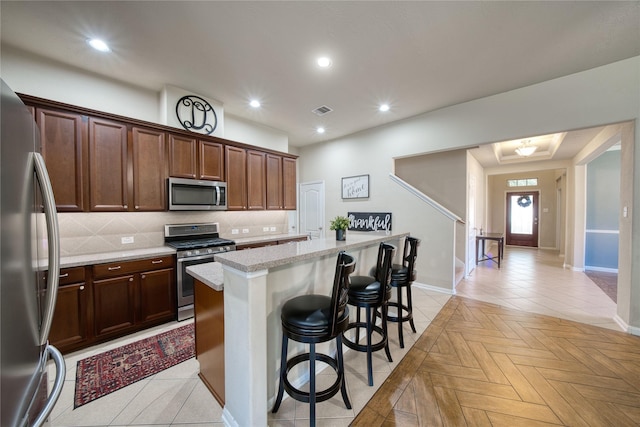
257, 282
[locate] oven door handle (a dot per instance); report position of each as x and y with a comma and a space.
196, 258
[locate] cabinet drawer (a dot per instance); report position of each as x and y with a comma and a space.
69, 276
114, 269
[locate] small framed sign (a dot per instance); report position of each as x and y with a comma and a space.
355, 187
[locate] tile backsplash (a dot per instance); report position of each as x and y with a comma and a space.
86, 233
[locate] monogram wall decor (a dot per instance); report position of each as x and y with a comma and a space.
196, 114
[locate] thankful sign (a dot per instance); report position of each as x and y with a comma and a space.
369, 221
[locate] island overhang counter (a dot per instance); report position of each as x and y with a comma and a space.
257, 282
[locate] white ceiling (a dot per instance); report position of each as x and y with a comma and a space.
417, 56
557, 146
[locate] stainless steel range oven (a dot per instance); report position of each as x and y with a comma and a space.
195, 244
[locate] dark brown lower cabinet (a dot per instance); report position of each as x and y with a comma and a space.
104, 301
209, 324
71, 327
157, 296
131, 295
114, 304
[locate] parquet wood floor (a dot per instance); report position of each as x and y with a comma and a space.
480, 364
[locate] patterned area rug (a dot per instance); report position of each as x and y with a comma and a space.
107, 372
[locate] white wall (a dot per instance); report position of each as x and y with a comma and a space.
241, 130
47, 79
607, 94
476, 210
37, 76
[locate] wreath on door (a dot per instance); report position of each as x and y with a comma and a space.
524, 201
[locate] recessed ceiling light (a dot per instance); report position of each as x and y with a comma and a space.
320, 130
98, 44
384, 107
324, 62
254, 103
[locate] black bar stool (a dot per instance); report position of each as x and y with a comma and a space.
402, 276
372, 293
313, 319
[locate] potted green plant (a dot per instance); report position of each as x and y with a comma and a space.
340, 224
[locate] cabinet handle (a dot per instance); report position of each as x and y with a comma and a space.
82, 288
131, 279
117, 267
156, 261
137, 207
144, 275
62, 276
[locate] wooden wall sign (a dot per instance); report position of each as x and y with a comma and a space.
369, 221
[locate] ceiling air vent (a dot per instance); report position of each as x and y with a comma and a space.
321, 111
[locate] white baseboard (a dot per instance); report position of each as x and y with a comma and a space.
228, 419
633, 330
621, 323
434, 288
602, 269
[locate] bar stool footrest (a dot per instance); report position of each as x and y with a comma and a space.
406, 318
363, 347
321, 395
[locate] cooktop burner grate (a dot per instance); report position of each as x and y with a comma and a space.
200, 243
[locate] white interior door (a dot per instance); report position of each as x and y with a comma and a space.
312, 209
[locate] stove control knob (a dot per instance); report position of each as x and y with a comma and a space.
196, 252
209, 251
189, 253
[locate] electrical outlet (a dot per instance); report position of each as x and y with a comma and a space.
245, 230
265, 228
126, 240
272, 229
234, 231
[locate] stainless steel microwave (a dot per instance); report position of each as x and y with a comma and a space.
197, 195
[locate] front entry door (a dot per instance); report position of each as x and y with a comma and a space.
522, 219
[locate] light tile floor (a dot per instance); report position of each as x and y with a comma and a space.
534, 280
530, 280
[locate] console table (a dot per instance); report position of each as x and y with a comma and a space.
480, 243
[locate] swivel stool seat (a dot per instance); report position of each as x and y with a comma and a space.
313, 319
372, 293
402, 276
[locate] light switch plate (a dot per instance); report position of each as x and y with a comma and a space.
272, 229
126, 240
234, 231
245, 230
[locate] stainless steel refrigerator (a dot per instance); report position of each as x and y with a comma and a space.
29, 248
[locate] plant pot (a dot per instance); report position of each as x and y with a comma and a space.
341, 234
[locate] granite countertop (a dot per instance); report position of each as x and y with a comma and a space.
102, 257
210, 274
266, 238
273, 256
99, 258
114, 256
